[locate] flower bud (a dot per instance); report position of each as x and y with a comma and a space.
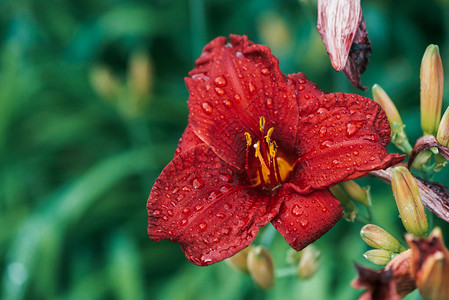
379, 256
240, 260
357, 193
443, 129
408, 200
398, 135
430, 265
261, 267
140, 73
309, 263
349, 209
104, 82
432, 81
378, 237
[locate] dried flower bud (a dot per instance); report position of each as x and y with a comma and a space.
261, 267
379, 256
432, 81
430, 265
408, 200
357, 193
378, 237
309, 263
240, 260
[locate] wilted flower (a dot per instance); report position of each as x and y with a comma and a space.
260, 146
261, 267
343, 30
430, 265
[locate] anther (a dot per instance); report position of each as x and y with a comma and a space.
261, 123
248, 139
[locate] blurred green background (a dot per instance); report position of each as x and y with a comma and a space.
92, 103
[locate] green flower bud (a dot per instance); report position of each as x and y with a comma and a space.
432, 81
357, 193
378, 237
261, 267
309, 263
240, 260
408, 200
379, 256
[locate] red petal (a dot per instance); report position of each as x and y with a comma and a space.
188, 140
232, 86
202, 203
306, 90
341, 137
303, 219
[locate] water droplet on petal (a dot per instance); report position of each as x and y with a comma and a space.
220, 81
226, 178
301, 87
228, 205
252, 88
265, 71
353, 127
335, 162
326, 144
269, 102
322, 110
186, 211
220, 215
219, 91
170, 213
184, 222
323, 131
207, 108
355, 153
296, 210
237, 98
157, 212
227, 103
198, 207
304, 223
202, 226
198, 183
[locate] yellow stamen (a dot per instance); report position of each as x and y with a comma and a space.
265, 169
268, 136
248, 139
284, 168
262, 123
273, 149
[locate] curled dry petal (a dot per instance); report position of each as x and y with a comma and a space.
338, 21
379, 285
424, 143
435, 196
358, 58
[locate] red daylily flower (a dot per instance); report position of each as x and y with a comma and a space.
261, 146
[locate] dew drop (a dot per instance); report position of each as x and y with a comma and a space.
252, 88
157, 212
198, 183
227, 103
180, 197
186, 211
269, 102
198, 207
326, 144
265, 71
322, 110
219, 91
296, 210
237, 98
207, 108
220, 215
228, 205
170, 213
352, 128
226, 178
224, 189
214, 194
184, 222
323, 131
220, 81
301, 80
355, 153
202, 226
301, 87
335, 162
304, 223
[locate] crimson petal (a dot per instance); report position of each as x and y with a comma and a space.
303, 219
305, 89
233, 85
199, 201
188, 140
340, 137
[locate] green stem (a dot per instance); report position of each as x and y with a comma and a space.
268, 236
286, 272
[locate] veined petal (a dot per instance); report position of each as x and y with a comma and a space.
303, 219
306, 90
188, 140
340, 137
232, 86
203, 204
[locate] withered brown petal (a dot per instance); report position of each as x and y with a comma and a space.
379, 285
424, 143
359, 54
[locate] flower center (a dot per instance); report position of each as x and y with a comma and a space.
264, 165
